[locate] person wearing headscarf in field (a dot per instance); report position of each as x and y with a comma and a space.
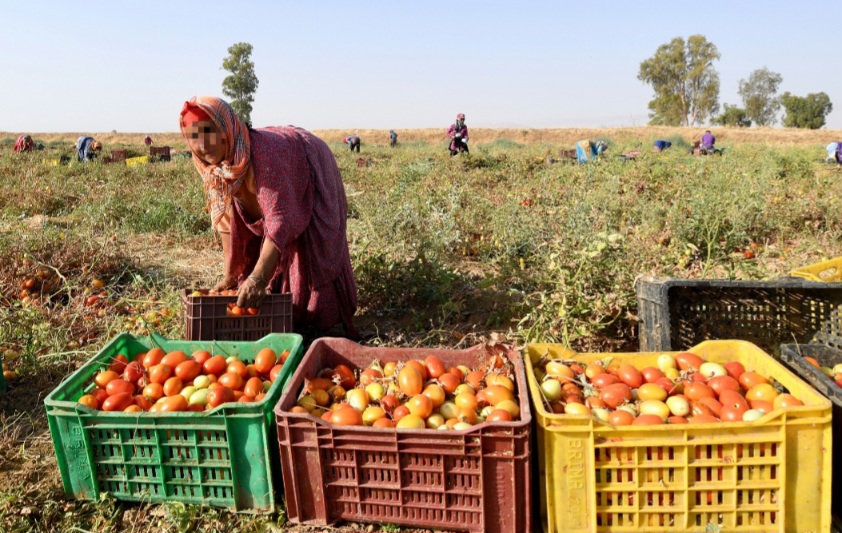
458, 135
660, 145
277, 199
147, 140
87, 148
353, 143
393, 138
24, 144
834, 152
589, 149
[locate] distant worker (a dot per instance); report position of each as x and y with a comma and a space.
588, 149
86, 148
834, 152
24, 144
353, 142
147, 140
707, 143
393, 138
458, 133
660, 145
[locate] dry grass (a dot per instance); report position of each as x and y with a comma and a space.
561, 136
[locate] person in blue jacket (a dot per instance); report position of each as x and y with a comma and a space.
660, 145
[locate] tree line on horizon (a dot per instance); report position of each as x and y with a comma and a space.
682, 74
686, 86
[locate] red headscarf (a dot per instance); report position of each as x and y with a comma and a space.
220, 181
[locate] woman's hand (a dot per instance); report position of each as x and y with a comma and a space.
229, 282
251, 293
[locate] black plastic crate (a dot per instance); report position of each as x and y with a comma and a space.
792, 355
676, 314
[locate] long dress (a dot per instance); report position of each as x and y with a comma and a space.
300, 192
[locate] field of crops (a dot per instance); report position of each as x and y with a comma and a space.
446, 252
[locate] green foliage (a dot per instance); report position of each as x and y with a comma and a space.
241, 85
685, 83
760, 98
806, 112
733, 116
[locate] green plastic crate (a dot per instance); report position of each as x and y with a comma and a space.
223, 458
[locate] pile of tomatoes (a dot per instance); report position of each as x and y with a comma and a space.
233, 309
834, 373
681, 388
413, 394
157, 381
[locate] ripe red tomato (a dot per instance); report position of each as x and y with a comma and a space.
238, 367
721, 383
117, 386
731, 398
647, 420
218, 395
216, 365
118, 364
711, 403
188, 370
133, 372
99, 395
601, 381
630, 375
697, 391
651, 374
615, 395
117, 402
159, 374
265, 360
253, 311
253, 387
200, 356
153, 357
730, 413
687, 361
89, 401
749, 380
173, 359
620, 418
231, 380
435, 366
346, 375
734, 369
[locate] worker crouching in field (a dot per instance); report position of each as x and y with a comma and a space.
458, 134
393, 138
277, 199
353, 143
24, 144
660, 145
87, 148
587, 150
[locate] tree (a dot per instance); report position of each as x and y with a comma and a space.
733, 116
759, 96
686, 84
241, 85
806, 112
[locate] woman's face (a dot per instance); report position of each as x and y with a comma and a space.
207, 142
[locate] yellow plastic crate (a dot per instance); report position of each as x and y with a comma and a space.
829, 271
771, 475
137, 160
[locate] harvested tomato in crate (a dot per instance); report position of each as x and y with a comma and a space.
217, 317
473, 477
742, 445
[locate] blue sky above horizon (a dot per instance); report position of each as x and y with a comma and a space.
376, 64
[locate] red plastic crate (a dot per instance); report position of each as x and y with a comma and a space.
473, 480
207, 318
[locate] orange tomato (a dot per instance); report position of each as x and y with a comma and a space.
218, 395
449, 382
651, 391
399, 412
456, 372
730, 413
651, 374
159, 374
200, 356
466, 400
275, 372
620, 417
173, 386
600, 381
237, 367
188, 370
346, 416
497, 393
812, 361
383, 423
133, 408
734, 369
711, 403
410, 381
761, 391
153, 392
762, 405
104, 378
318, 384
498, 415
495, 361
173, 404
593, 402
389, 402
786, 400
687, 361
253, 311
704, 419
117, 402
630, 375
231, 380
253, 387
89, 401
560, 371
575, 408
265, 360
420, 405
593, 370
174, 358
502, 380
435, 393
346, 375
419, 366
721, 383
647, 420
153, 357
697, 391
369, 375
474, 378
749, 379
216, 365
676, 420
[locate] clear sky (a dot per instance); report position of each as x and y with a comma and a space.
129, 66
